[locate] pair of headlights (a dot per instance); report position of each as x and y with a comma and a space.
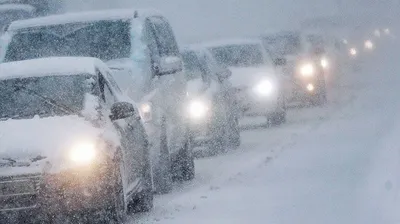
308, 69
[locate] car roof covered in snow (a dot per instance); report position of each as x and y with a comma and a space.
50, 66
227, 42
23, 7
88, 16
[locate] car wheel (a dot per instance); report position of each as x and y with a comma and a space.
143, 202
234, 139
184, 167
279, 117
162, 171
115, 212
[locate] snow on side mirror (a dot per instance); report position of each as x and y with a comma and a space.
280, 61
169, 65
122, 110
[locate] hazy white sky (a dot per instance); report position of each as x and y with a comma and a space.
195, 20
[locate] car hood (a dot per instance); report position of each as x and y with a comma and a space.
247, 76
30, 141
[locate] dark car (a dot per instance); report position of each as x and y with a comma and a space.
212, 108
70, 144
304, 67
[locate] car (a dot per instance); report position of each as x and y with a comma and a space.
304, 64
212, 106
255, 78
140, 47
71, 143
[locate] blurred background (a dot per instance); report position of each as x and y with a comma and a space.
198, 20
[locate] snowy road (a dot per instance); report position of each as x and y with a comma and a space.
334, 164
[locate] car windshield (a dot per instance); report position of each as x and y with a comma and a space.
194, 68
282, 45
43, 96
241, 55
106, 40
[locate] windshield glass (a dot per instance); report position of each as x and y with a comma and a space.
245, 55
106, 40
282, 45
24, 98
194, 68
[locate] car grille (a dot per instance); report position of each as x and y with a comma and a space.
19, 192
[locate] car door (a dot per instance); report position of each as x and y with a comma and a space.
225, 88
132, 141
170, 88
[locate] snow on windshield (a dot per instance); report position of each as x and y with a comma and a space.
43, 96
106, 40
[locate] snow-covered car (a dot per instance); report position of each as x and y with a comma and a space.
69, 142
140, 47
304, 56
257, 82
213, 116
12, 12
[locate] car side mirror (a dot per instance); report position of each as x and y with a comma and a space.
169, 65
122, 110
224, 74
280, 61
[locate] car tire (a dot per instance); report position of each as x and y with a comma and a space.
115, 211
234, 139
279, 117
184, 167
162, 171
143, 201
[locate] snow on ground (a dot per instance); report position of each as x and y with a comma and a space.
335, 164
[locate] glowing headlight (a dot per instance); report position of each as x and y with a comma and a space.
353, 51
307, 70
264, 87
387, 31
198, 109
145, 108
345, 41
368, 44
83, 153
310, 87
324, 63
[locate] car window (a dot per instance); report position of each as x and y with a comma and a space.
113, 83
107, 95
165, 37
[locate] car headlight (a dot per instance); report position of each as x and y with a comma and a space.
368, 44
264, 88
198, 109
324, 63
353, 51
83, 153
307, 70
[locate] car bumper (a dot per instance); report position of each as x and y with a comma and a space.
52, 194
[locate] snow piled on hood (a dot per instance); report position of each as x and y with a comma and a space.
48, 137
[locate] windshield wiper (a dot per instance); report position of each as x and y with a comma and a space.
9, 160
52, 102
